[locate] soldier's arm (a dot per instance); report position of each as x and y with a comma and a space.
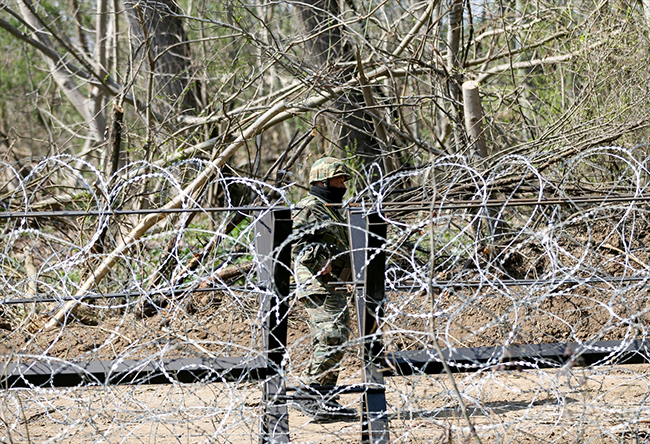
314, 254
312, 250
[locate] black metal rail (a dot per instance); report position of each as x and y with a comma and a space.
518, 357
52, 373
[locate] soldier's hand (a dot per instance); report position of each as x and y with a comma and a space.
327, 269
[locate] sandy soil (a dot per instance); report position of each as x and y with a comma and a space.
608, 405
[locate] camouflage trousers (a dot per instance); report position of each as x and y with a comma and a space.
329, 325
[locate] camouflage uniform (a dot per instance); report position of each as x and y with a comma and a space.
322, 238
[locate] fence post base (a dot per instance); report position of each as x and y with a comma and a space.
272, 230
367, 237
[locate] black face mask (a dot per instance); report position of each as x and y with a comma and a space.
328, 194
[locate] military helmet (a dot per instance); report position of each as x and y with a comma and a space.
326, 168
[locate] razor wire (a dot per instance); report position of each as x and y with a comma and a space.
538, 255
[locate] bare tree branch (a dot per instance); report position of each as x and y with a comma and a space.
183, 198
530, 63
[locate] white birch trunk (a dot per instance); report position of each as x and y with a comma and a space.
65, 80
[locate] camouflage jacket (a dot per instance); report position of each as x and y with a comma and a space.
320, 238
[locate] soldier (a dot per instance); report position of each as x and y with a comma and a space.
321, 255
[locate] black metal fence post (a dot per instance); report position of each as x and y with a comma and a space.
272, 230
367, 237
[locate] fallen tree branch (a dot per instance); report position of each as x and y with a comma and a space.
228, 274
549, 159
183, 198
240, 215
643, 265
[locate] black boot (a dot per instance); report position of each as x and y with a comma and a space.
322, 407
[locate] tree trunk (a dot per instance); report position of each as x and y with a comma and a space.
320, 18
159, 40
453, 68
525, 107
113, 150
474, 118
357, 134
101, 38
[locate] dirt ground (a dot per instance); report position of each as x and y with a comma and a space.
607, 403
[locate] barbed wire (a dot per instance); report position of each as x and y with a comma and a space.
521, 256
